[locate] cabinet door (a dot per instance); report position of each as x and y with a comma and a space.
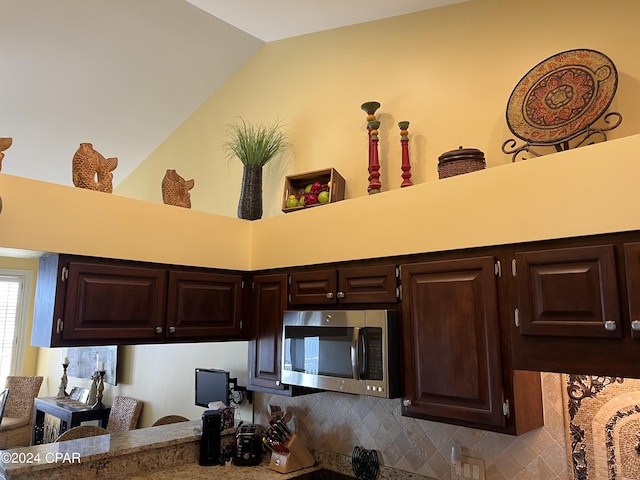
106, 302
451, 341
204, 305
570, 292
317, 287
632, 266
265, 351
374, 284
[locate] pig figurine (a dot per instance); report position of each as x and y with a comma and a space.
91, 170
175, 190
4, 144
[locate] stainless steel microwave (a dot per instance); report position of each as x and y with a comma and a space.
351, 351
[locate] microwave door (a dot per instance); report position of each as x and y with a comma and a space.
328, 358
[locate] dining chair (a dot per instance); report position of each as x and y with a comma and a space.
81, 431
167, 419
17, 419
124, 415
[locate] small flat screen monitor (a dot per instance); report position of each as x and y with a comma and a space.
211, 386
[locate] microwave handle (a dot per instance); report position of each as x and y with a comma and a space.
365, 355
355, 347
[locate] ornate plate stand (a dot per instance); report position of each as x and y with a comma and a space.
557, 102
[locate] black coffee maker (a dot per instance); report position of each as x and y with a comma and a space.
210, 441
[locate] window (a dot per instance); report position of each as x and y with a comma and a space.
14, 299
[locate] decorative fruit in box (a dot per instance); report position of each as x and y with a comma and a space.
312, 188
312, 194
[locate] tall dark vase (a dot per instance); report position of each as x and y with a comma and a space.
250, 204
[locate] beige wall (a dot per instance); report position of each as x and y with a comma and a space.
449, 71
160, 375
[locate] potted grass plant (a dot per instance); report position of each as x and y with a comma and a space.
255, 145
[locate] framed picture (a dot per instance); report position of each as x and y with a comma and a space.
83, 362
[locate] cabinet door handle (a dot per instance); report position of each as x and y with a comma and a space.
340, 295
635, 325
59, 326
330, 295
406, 402
172, 329
610, 325
158, 329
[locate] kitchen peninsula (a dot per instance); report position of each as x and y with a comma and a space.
158, 451
161, 453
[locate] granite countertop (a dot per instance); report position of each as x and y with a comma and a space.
196, 472
163, 452
104, 456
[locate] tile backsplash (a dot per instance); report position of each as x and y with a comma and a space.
337, 422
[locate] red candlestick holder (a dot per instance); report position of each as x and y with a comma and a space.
370, 108
406, 165
374, 163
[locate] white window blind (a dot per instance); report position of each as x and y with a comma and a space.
12, 307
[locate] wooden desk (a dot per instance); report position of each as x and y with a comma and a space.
70, 412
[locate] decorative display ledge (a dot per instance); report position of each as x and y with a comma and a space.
584, 191
588, 190
48, 217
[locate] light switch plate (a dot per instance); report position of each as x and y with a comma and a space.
472, 469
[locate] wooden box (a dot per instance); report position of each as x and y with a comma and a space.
295, 184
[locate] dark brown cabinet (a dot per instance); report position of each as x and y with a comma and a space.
94, 301
202, 304
632, 268
269, 300
576, 305
455, 369
569, 291
268, 303
349, 285
111, 301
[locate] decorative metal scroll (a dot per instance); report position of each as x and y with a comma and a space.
580, 387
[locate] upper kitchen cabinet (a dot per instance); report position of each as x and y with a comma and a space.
205, 304
89, 301
269, 300
93, 301
569, 292
268, 303
349, 285
457, 363
575, 305
632, 267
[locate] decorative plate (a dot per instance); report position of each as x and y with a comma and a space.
561, 96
